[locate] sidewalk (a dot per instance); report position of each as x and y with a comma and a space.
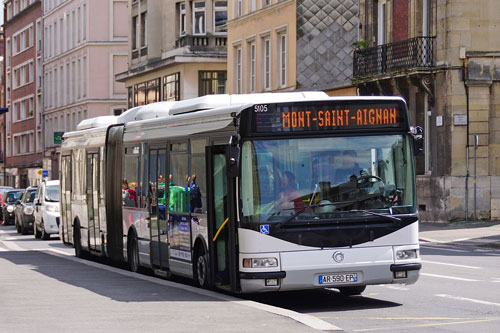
465, 233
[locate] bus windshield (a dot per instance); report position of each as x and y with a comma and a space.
326, 178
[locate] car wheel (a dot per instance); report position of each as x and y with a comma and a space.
18, 228
133, 254
36, 232
352, 291
45, 235
24, 230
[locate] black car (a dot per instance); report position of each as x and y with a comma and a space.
3, 193
24, 217
8, 209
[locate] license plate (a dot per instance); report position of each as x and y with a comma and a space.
338, 278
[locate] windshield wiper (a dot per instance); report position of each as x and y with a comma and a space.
393, 218
303, 209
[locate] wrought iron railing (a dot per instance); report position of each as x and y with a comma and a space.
406, 54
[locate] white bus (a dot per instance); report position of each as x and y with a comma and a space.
249, 193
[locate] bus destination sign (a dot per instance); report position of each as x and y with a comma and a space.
272, 118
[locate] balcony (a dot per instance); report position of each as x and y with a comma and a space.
406, 55
202, 43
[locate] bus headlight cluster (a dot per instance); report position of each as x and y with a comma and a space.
10, 209
28, 210
260, 262
407, 254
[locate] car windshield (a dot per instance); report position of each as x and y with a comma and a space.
30, 196
326, 178
52, 193
13, 196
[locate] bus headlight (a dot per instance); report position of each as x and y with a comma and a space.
28, 210
52, 209
407, 254
10, 209
260, 262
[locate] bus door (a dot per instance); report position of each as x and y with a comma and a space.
222, 230
93, 181
158, 201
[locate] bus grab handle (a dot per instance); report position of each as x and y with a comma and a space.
220, 228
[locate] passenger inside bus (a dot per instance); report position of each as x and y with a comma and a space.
290, 197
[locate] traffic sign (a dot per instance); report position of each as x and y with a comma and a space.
45, 173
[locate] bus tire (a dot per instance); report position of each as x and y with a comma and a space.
351, 291
77, 241
133, 253
201, 267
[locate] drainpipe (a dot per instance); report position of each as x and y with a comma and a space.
465, 75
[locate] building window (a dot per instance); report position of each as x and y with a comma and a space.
199, 18
118, 111
239, 8
220, 16
238, 70
266, 3
267, 64
171, 87
252, 5
283, 60
143, 29
182, 19
147, 92
212, 82
130, 97
135, 28
251, 66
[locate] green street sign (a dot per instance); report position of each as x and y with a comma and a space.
58, 137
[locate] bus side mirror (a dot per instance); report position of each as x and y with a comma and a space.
234, 161
418, 140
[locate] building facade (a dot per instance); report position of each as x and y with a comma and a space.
177, 50
2, 106
283, 45
442, 57
23, 130
84, 47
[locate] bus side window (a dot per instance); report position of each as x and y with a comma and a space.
179, 179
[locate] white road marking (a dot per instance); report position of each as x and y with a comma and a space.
388, 286
457, 298
448, 264
495, 280
449, 277
443, 248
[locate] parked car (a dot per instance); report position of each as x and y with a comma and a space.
24, 216
3, 192
8, 210
47, 214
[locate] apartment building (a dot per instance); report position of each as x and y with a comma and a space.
84, 47
443, 58
283, 45
2, 106
177, 50
23, 131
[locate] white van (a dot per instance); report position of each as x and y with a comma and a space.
47, 215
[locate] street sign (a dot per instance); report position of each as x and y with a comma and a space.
58, 137
4, 110
45, 173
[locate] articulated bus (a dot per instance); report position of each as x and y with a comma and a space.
249, 193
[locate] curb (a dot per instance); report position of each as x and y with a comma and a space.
464, 242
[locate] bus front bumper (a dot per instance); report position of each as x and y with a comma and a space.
298, 272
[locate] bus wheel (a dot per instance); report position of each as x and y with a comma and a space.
351, 291
77, 242
201, 268
133, 254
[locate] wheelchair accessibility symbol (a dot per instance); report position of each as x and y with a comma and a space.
264, 229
